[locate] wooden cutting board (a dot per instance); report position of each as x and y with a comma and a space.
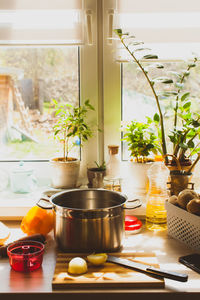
109, 275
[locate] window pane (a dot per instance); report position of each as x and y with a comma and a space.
40, 74
138, 101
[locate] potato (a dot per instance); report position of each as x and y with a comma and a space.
97, 259
193, 206
185, 196
77, 266
173, 199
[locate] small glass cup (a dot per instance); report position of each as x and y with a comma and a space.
112, 184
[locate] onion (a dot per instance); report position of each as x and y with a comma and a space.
77, 265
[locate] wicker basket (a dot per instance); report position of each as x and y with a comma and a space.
183, 226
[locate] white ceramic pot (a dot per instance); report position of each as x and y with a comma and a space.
64, 174
137, 173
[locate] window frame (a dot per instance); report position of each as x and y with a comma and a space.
90, 88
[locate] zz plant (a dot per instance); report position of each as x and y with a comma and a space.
186, 124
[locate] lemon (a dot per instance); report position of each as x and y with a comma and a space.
77, 266
97, 258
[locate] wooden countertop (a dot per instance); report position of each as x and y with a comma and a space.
37, 284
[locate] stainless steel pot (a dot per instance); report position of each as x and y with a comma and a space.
88, 220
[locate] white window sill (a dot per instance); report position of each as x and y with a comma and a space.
14, 206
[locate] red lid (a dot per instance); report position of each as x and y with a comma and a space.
132, 223
130, 220
133, 227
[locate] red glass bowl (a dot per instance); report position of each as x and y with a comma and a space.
25, 256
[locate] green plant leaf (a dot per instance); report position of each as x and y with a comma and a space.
195, 123
156, 117
136, 43
191, 144
183, 146
118, 32
192, 65
165, 80
168, 93
150, 56
186, 73
141, 49
172, 138
187, 105
56, 132
185, 96
159, 66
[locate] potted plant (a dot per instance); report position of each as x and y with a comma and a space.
142, 143
95, 175
71, 123
185, 131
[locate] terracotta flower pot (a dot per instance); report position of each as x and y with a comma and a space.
180, 181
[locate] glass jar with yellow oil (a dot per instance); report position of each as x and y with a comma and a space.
156, 215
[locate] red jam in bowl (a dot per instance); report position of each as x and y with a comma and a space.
25, 256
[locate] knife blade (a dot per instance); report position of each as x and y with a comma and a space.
147, 269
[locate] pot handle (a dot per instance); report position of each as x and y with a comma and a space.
137, 203
44, 203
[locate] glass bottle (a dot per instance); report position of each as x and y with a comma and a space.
112, 181
113, 165
156, 215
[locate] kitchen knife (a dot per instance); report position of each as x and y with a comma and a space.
147, 269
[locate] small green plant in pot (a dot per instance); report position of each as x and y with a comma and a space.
141, 140
142, 144
71, 123
96, 174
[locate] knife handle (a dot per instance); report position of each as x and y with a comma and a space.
168, 274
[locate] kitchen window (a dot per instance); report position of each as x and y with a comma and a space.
101, 70
28, 116
174, 42
55, 57
138, 101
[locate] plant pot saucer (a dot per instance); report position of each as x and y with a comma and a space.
52, 191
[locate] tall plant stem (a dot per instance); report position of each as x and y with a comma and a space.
64, 146
164, 147
67, 148
194, 164
177, 99
182, 152
193, 150
177, 147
